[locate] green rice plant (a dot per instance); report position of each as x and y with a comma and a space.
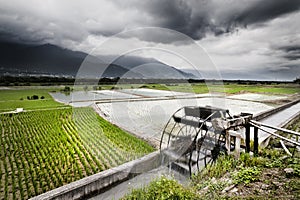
51, 149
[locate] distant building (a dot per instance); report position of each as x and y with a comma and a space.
19, 110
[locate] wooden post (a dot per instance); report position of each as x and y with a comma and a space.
255, 141
227, 142
247, 138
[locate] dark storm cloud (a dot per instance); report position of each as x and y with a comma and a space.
286, 71
173, 14
290, 52
22, 23
74, 21
292, 56
266, 10
196, 18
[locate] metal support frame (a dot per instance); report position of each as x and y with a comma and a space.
255, 141
247, 138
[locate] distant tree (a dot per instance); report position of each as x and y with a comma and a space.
144, 86
35, 97
297, 80
21, 98
28, 97
67, 89
42, 97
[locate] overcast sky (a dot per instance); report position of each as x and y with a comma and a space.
255, 39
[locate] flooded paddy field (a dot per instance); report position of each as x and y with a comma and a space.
144, 112
148, 118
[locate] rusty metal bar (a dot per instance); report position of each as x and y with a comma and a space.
276, 135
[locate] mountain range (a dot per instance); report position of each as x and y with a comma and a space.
54, 60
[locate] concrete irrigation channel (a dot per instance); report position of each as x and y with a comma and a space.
116, 182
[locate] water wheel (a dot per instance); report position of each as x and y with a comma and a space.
189, 139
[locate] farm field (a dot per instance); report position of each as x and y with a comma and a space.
13, 98
42, 150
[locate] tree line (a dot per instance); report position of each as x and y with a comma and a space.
44, 81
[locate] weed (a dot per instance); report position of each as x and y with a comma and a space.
163, 189
247, 175
224, 164
295, 164
249, 161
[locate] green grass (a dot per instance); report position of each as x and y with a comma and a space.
236, 88
270, 89
42, 150
163, 189
200, 88
17, 98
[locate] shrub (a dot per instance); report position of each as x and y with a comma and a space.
66, 89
